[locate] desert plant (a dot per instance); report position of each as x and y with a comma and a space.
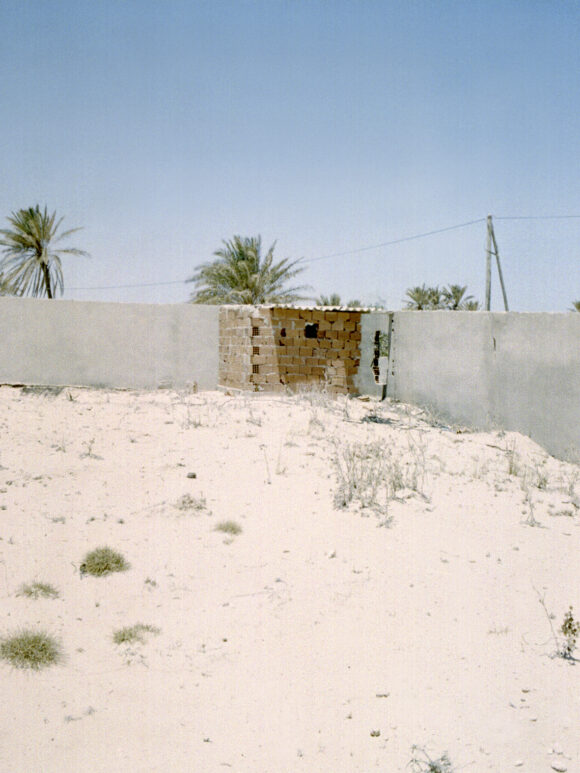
229, 527
187, 503
30, 649
134, 633
31, 266
570, 629
421, 762
103, 561
37, 590
512, 458
575, 306
240, 274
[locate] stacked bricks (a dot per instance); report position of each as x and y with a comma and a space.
276, 348
235, 347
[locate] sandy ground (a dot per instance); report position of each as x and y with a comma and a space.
321, 638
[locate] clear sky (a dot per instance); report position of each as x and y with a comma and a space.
165, 126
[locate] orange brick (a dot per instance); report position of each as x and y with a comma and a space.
331, 316
305, 314
338, 325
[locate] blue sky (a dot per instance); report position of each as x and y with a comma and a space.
328, 125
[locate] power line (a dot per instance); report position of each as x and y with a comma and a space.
395, 241
539, 217
357, 251
123, 287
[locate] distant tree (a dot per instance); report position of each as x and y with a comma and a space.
334, 300
575, 306
240, 274
423, 298
31, 265
452, 298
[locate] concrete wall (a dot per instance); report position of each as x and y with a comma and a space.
139, 346
516, 371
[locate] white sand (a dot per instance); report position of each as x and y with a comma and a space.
283, 648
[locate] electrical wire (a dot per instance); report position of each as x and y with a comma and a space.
394, 241
357, 251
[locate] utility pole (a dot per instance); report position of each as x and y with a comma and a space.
488, 253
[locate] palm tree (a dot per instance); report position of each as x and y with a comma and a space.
455, 298
422, 298
30, 265
334, 300
471, 306
241, 275
575, 306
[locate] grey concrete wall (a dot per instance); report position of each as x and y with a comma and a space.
119, 345
516, 371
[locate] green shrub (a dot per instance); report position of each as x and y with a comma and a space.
30, 649
229, 527
134, 633
37, 590
102, 561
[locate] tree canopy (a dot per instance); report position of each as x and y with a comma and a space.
240, 274
31, 265
452, 298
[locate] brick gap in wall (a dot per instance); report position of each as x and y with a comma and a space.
280, 348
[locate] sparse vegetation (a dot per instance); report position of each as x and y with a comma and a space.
134, 633
30, 649
421, 762
38, 590
103, 561
370, 475
229, 527
570, 629
187, 503
513, 459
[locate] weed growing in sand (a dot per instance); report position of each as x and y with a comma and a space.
134, 633
88, 453
360, 472
103, 561
229, 527
531, 520
570, 630
421, 762
38, 590
369, 475
513, 459
30, 649
186, 503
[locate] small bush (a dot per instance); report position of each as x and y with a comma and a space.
30, 649
229, 527
103, 561
421, 762
570, 629
134, 633
37, 590
187, 503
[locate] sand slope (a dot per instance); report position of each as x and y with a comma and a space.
318, 639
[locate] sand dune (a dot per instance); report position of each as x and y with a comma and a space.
329, 635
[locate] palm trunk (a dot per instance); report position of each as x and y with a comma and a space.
46, 274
